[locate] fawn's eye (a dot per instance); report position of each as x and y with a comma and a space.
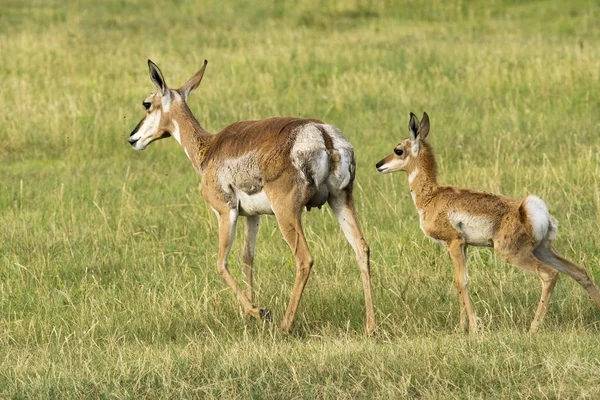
398, 152
146, 105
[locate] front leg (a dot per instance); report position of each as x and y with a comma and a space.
252, 223
458, 252
227, 223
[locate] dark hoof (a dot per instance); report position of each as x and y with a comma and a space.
265, 314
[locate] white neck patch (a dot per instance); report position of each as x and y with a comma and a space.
176, 132
177, 135
413, 175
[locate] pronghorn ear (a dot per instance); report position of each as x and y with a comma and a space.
157, 78
193, 82
413, 126
424, 127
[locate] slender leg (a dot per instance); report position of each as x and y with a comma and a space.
343, 208
461, 300
251, 231
549, 277
288, 211
227, 224
550, 256
457, 249
527, 260
291, 228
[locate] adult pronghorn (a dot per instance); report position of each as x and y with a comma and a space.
251, 168
520, 230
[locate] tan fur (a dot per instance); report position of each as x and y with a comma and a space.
460, 217
250, 168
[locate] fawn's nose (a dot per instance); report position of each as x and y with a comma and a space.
132, 141
379, 164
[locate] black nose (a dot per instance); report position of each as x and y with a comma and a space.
132, 141
379, 164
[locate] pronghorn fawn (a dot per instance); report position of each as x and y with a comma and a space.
520, 230
276, 166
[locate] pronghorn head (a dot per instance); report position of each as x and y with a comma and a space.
158, 121
407, 151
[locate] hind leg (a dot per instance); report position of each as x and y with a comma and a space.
251, 231
525, 259
549, 277
343, 208
550, 256
288, 211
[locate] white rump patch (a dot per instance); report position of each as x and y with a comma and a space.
542, 223
476, 229
309, 154
320, 167
344, 169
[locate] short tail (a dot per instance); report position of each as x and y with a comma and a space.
534, 211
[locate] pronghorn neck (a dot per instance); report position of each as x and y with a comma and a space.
194, 139
422, 176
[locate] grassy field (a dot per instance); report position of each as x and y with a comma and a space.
108, 283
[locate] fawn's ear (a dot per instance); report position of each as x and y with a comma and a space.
424, 127
157, 78
413, 126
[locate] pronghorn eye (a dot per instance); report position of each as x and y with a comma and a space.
146, 105
398, 152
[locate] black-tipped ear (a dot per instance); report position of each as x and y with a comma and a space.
413, 126
157, 78
424, 127
193, 82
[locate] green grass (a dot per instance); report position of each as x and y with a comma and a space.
108, 283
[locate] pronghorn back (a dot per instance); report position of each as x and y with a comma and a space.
246, 155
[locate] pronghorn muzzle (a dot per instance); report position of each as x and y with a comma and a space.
131, 140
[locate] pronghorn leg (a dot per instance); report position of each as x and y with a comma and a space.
343, 208
527, 261
550, 256
291, 228
463, 313
227, 224
461, 299
249, 244
549, 277
457, 249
